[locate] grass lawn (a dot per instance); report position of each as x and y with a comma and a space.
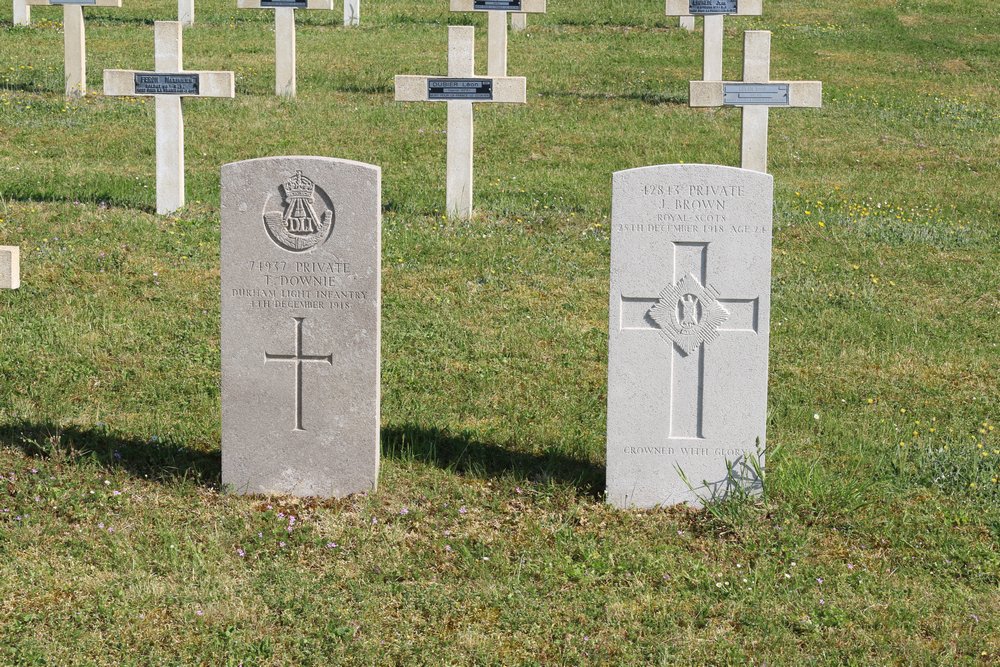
488, 541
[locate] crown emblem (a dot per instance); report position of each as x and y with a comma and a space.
299, 187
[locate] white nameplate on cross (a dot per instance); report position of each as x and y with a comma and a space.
169, 83
713, 12
755, 95
688, 332
75, 40
460, 89
497, 24
284, 37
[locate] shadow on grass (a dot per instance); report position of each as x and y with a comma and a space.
464, 455
646, 97
156, 460
163, 460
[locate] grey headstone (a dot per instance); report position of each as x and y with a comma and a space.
688, 332
301, 297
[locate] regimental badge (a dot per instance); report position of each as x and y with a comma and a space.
307, 218
689, 314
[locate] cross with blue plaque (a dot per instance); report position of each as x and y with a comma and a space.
755, 95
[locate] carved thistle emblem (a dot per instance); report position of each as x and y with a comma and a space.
306, 219
689, 314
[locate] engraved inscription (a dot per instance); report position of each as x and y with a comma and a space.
702, 7
150, 83
304, 222
460, 89
656, 450
497, 5
297, 358
302, 284
750, 94
72, 2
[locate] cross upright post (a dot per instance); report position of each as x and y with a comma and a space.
74, 40
497, 25
22, 13
352, 12
168, 84
713, 11
755, 95
518, 21
185, 12
284, 37
687, 22
460, 89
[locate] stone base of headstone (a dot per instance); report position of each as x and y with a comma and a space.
10, 267
301, 298
688, 333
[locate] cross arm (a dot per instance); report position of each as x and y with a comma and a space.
519, 6
799, 93
504, 89
703, 7
275, 4
186, 84
85, 3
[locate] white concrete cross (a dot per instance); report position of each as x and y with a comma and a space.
460, 89
497, 24
169, 83
713, 11
10, 267
756, 94
352, 12
22, 13
74, 40
284, 37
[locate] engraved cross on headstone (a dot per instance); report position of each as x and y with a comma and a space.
713, 12
169, 83
689, 315
755, 94
284, 37
460, 89
297, 358
497, 11
74, 40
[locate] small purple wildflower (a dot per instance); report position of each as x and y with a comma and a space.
100, 525
331, 545
241, 553
819, 580
850, 566
34, 471
281, 544
462, 510
374, 521
200, 612
116, 492
404, 511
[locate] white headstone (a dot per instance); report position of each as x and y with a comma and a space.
301, 297
168, 84
755, 95
284, 37
688, 332
10, 267
460, 89
75, 41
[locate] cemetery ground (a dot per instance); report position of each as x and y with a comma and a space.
487, 541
